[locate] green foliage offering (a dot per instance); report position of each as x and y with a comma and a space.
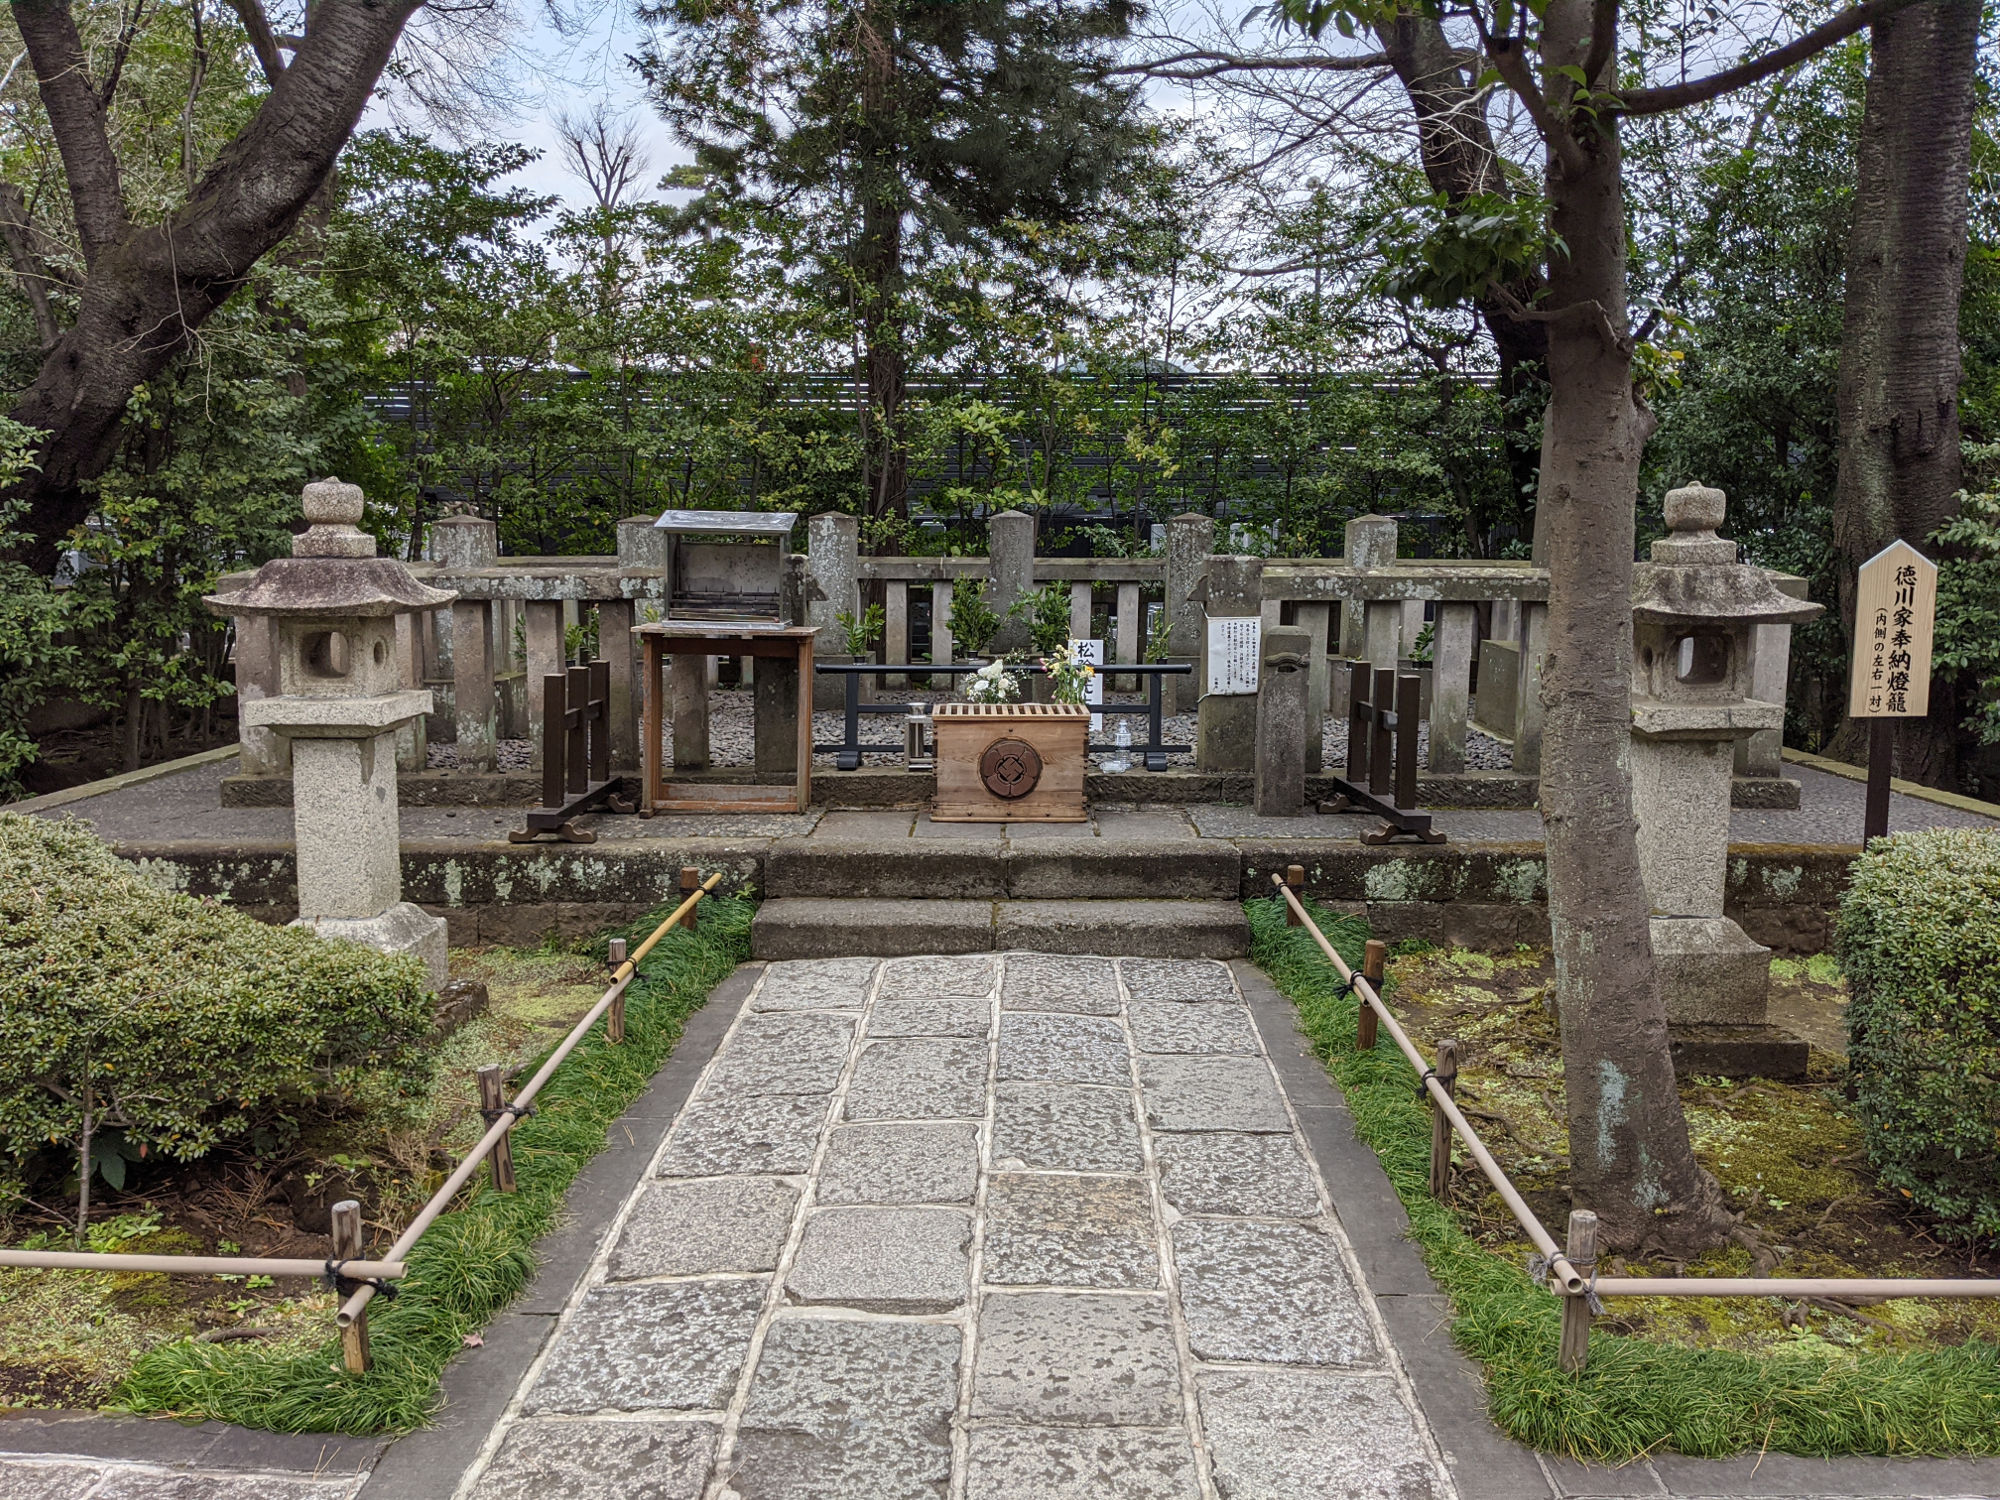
478, 1258
1045, 611
184, 1022
1636, 1396
859, 633
972, 621
1919, 937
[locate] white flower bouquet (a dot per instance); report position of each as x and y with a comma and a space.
993, 683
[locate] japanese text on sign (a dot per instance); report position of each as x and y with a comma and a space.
1895, 609
1235, 645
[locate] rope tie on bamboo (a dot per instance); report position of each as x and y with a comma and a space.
1343, 987
1423, 1094
518, 1111
347, 1285
1538, 1272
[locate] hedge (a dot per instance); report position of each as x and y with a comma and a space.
188, 1021
1919, 937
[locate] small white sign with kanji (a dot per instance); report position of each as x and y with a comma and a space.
1093, 690
1895, 614
1235, 647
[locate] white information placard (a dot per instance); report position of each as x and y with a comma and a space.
1235, 646
1093, 692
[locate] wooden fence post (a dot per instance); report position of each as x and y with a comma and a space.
1441, 1132
1581, 1248
1295, 877
347, 1246
492, 1100
1374, 959
690, 883
614, 1019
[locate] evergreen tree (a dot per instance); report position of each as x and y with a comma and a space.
906, 147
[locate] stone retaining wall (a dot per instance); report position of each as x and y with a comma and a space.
1475, 895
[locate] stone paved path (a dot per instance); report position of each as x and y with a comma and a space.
1007, 1227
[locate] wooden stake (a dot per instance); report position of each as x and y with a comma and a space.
1295, 877
492, 1098
690, 883
1581, 1249
614, 1019
1447, 1075
347, 1246
1875, 808
1374, 959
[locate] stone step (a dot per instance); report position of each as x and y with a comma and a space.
1052, 868
828, 927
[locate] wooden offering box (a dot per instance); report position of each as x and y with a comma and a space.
1010, 762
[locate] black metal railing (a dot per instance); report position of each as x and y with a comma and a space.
848, 751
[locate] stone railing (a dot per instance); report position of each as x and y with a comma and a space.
1486, 618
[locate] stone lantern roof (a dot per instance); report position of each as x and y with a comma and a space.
333, 572
1694, 575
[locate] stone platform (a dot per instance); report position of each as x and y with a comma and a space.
1483, 888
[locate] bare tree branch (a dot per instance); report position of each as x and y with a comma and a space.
126, 35
1701, 90
262, 40
76, 115
1215, 64
29, 270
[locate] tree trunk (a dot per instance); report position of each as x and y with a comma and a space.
1630, 1158
151, 287
1897, 404
879, 265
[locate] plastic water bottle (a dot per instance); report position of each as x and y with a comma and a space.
1122, 761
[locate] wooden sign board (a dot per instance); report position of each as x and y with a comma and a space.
1895, 615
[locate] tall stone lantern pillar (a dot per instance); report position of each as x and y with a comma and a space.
1694, 611
339, 703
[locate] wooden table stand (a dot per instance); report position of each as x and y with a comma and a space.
719, 638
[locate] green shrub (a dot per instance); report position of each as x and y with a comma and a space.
1045, 611
1919, 937
187, 1022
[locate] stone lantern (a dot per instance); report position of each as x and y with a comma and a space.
1694, 608
339, 703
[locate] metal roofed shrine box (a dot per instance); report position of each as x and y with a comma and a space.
727, 564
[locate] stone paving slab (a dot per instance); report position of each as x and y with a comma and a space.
708, 1225
1061, 1127
675, 1346
1280, 1436
1081, 1463
1044, 1230
717, 1135
785, 1054
1182, 980
1164, 1026
816, 984
1224, 1172
849, 1411
1035, 981
934, 1162
1077, 1357
909, 1078
952, 1015
888, 1260
556, 1460
970, 975
1042, 1048
1270, 1294
1212, 1093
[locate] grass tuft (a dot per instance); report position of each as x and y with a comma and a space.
477, 1258
1636, 1396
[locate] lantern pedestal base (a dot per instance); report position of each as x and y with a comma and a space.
1710, 972
402, 928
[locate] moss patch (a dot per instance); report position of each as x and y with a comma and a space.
1822, 1383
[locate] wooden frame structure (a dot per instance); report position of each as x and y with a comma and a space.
718, 638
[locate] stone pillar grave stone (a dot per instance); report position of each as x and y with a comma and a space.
1284, 691
1226, 724
1190, 542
